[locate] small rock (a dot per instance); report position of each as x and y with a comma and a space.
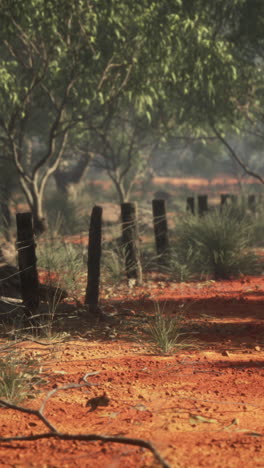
257, 348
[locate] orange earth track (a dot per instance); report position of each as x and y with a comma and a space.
152, 396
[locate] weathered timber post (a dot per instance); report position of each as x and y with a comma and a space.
224, 197
252, 204
202, 204
130, 241
27, 263
160, 228
94, 257
190, 205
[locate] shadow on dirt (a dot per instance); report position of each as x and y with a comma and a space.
241, 365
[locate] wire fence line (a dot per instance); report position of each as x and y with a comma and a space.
115, 243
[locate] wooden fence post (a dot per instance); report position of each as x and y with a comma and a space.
224, 197
252, 203
160, 228
190, 205
94, 257
130, 241
27, 263
202, 204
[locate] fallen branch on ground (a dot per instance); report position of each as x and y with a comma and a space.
54, 433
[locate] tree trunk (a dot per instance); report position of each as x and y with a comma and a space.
34, 199
39, 221
5, 219
71, 177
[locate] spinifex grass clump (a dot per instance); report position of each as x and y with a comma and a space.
217, 244
18, 377
164, 333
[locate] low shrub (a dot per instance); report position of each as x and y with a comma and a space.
217, 244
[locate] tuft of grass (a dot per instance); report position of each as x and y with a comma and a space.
112, 264
163, 333
18, 377
177, 269
217, 244
64, 263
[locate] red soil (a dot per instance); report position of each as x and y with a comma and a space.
198, 182
200, 407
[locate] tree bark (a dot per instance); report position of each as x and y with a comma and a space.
66, 178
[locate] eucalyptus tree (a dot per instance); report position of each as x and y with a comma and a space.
124, 143
234, 106
64, 63
60, 62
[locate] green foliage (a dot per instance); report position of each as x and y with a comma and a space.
18, 375
66, 66
217, 244
176, 269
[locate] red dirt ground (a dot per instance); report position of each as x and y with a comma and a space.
200, 407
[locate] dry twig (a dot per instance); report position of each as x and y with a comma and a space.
54, 433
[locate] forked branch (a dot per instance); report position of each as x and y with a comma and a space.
54, 433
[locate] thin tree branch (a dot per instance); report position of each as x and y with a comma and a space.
54, 166
36, 413
236, 157
53, 129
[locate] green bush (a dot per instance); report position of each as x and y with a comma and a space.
217, 244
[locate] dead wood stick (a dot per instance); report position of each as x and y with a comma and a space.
91, 438
36, 413
75, 437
